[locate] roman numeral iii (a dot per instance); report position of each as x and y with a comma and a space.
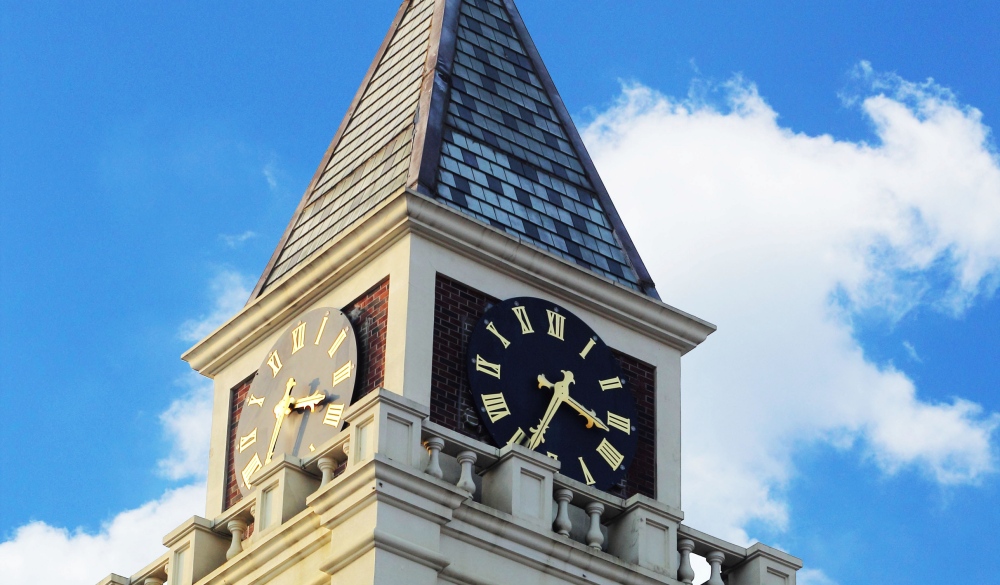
496, 406
619, 422
342, 373
333, 414
557, 323
487, 367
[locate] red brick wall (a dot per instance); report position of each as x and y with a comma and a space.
456, 310
236, 398
457, 307
368, 315
641, 476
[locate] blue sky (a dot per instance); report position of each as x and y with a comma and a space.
151, 155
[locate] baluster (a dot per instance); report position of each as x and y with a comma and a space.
327, 465
237, 528
563, 524
434, 446
715, 559
685, 572
152, 581
465, 483
594, 536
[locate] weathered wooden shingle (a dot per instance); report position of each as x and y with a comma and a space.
371, 156
459, 107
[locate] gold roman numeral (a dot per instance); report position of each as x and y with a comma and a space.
557, 323
298, 337
610, 454
274, 362
251, 468
333, 414
322, 327
518, 437
487, 367
590, 345
522, 316
586, 472
620, 422
336, 342
492, 328
342, 373
552, 455
248, 440
496, 406
611, 384
254, 401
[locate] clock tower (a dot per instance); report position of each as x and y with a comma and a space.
455, 367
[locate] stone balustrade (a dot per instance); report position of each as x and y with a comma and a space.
387, 429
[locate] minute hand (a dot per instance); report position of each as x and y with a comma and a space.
281, 410
590, 415
539, 432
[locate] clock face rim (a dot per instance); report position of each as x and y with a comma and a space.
314, 371
523, 384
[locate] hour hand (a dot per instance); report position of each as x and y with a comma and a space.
310, 402
590, 415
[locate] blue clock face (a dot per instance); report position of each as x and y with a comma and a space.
542, 378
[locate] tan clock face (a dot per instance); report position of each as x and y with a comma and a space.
297, 400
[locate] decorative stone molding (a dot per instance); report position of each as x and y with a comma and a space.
195, 550
409, 212
765, 566
520, 484
646, 534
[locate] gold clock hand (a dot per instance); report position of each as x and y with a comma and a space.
560, 392
281, 410
310, 402
538, 436
590, 415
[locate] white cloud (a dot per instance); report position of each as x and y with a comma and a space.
188, 425
230, 291
42, 553
781, 238
273, 174
911, 351
237, 240
813, 577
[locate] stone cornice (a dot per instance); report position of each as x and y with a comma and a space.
409, 212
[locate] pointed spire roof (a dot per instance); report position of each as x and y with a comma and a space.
458, 106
